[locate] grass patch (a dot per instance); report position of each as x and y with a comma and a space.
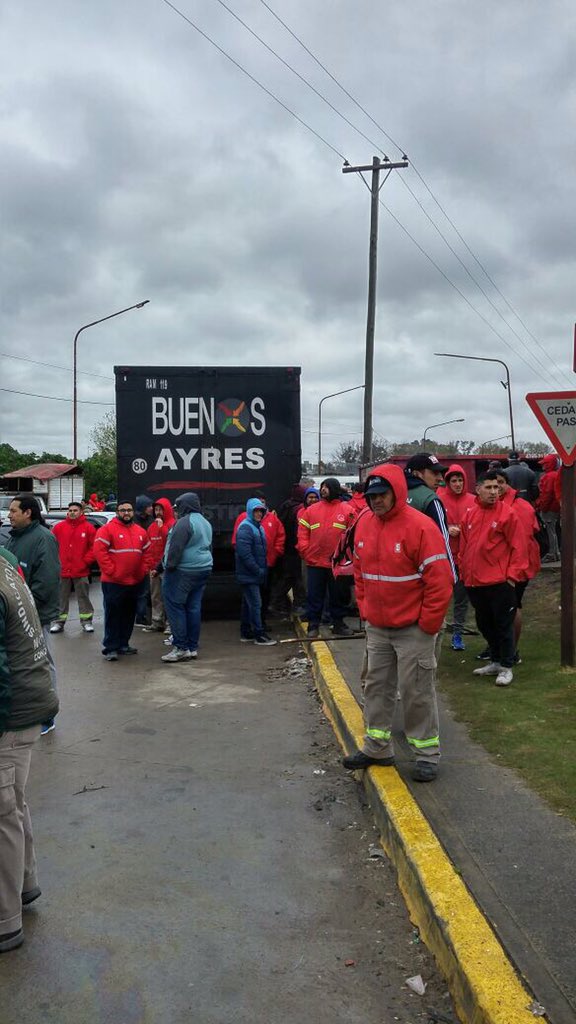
530, 725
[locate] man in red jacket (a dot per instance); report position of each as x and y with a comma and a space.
158, 531
529, 527
403, 587
75, 537
456, 500
492, 559
123, 552
320, 527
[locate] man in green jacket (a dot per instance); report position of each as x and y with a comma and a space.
37, 553
27, 698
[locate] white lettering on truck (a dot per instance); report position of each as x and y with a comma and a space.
210, 458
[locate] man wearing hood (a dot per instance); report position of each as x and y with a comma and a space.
251, 571
403, 588
548, 505
493, 558
122, 550
290, 574
456, 500
320, 527
158, 531
187, 566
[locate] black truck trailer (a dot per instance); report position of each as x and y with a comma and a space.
222, 431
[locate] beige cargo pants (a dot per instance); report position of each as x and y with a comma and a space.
17, 859
401, 660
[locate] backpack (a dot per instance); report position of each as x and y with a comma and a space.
342, 557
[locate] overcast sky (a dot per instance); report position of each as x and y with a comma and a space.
139, 163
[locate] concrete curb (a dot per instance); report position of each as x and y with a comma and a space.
484, 985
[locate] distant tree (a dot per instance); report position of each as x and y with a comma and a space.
103, 437
99, 469
51, 457
11, 459
533, 448
349, 453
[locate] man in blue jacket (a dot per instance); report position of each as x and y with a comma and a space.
251, 571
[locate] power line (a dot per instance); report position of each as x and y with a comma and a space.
431, 193
273, 96
51, 398
295, 72
459, 290
252, 77
53, 366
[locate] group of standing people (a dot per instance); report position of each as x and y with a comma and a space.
417, 546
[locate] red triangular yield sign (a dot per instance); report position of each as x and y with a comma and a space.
556, 413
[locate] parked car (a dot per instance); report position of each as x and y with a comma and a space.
7, 499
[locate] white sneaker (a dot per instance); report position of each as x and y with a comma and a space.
57, 627
87, 627
168, 640
192, 654
504, 677
176, 655
492, 669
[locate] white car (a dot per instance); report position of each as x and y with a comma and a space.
7, 499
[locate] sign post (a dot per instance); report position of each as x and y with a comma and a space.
556, 413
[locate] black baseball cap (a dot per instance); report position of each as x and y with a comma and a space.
376, 485
423, 460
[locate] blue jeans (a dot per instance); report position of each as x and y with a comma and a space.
251, 611
182, 592
320, 582
120, 603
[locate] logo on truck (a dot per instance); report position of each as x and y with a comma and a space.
207, 418
232, 417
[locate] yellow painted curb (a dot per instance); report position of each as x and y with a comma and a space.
484, 985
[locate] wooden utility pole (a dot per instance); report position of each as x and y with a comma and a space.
567, 570
376, 167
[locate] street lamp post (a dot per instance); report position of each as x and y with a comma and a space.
506, 386
443, 424
138, 305
344, 392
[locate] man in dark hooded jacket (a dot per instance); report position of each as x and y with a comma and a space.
290, 567
320, 527
251, 572
27, 699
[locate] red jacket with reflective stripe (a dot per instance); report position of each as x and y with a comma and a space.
320, 527
493, 547
401, 568
123, 552
75, 539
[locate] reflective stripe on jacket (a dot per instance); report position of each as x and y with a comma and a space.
401, 568
320, 527
123, 552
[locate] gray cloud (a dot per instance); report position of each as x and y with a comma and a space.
138, 163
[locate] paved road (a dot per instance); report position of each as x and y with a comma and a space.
194, 865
